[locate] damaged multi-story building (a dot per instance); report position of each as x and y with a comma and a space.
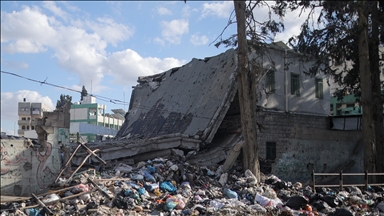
195, 108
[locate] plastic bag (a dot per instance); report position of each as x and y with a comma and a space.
168, 186
124, 168
230, 194
50, 198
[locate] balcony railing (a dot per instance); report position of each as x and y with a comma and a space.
20, 132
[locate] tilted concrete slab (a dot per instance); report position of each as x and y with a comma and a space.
180, 108
191, 100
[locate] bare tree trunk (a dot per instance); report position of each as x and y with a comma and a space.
247, 97
376, 88
368, 125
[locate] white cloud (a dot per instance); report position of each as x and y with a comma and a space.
10, 100
51, 6
110, 31
125, 66
173, 31
24, 46
27, 24
69, 6
159, 41
292, 23
80, 48
199, 40
163, 11
15, 64
219, 9
186, 11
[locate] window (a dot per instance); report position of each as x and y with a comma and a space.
270, 81
27, 127
32, 127
271, 150
295, 84
319, 88
29, 118
22, 127
23, 118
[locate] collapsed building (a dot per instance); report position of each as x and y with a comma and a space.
194, 109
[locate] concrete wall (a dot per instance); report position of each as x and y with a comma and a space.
286, 63
26, 170
305, 143
82, 127
79, 114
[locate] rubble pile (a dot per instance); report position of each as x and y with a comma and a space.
171, 187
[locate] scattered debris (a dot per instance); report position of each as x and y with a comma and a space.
173, 187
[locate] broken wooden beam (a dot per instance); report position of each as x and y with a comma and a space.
93, 153
42, 204
99, 188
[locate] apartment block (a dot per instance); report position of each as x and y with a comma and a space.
28, 114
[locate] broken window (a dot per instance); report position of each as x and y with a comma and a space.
319, 88
271, 151
270, 81
295, 84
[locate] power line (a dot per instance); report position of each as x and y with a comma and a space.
106, 99
102, 98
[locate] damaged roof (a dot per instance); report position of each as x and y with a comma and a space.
191, 100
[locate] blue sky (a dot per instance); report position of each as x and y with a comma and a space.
104, 46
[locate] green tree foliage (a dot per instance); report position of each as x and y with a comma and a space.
63, 100
83, 93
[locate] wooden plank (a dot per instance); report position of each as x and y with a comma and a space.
5, 199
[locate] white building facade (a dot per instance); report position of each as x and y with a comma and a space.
28, 113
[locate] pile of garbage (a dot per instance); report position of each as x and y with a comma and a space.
171, 187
